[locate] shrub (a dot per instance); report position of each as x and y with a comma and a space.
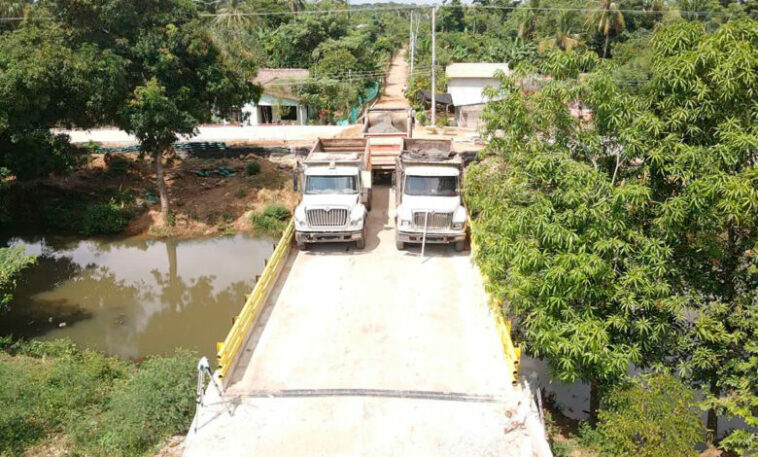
102, 406
272, 220
277, 211
421, 117
92, 147
253, 167
155, 403
12, 261
654, 416
104, 218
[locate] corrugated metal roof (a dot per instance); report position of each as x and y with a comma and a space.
278, 81
475, 70
268, 76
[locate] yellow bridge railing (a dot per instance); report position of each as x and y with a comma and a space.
228, 350
503, 325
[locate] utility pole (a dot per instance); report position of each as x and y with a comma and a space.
413, 46
434, 65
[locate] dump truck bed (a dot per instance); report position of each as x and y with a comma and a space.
340, 151
388, 122
429, 152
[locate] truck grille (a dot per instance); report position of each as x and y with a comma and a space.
435, 221
335, 217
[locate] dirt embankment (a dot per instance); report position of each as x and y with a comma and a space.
207, 196
205, 202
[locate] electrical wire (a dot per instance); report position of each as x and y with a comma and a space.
419, 7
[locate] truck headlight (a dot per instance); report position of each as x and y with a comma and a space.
356, 215
300, 217
458, 225
405, 223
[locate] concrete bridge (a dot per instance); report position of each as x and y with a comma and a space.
341, 352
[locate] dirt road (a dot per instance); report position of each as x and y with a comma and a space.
397, 78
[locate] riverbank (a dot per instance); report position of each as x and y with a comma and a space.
58, 399
116, 194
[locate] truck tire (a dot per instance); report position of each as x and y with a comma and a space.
368, 201
459, 246
302, 245
399, 245
361, 242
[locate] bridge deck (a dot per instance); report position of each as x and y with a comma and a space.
374, 352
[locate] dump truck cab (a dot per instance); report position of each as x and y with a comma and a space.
336, 193
429, 206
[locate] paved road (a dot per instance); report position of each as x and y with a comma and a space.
373, 352
218, 133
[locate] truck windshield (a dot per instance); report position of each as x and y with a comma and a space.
331, 185
437, 186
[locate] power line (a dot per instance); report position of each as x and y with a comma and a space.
577, 10
415, 8
334, 80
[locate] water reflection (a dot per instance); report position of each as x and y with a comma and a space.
573, 400
135, 297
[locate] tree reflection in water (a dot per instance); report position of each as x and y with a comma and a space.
134, 298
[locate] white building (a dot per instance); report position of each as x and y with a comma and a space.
466, 84
279, 103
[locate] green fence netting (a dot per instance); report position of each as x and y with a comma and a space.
369, 94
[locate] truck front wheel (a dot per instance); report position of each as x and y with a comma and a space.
399, 245
302, 245
459, 246
361, 242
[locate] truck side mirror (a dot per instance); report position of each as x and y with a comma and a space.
394, 178
295, 179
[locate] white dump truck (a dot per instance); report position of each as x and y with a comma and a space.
429, 208
336, 182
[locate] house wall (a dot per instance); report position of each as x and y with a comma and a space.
468, 91
469, 116
253, 113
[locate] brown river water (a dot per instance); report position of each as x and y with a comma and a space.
135, 297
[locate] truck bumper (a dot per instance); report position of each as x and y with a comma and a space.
431, 237
327, 237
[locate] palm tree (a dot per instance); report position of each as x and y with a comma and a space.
563, 39
607, 17
234, 14
528, 23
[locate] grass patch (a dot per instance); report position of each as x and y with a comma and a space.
101, 406
272, 220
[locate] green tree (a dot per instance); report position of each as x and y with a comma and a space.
564, 242
174, 76
688, 145
451, 16
700, 161
607, 19
564, 38
655, 416
46, 83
